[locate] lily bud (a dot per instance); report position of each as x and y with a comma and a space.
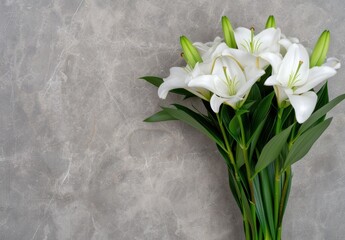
320, 50
271, 22
228, 31
190, 53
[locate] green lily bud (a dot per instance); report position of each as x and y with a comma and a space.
271, 22
318, 56
190, 53
228, 31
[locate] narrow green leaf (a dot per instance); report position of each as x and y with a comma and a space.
262, 109
254, 93
234, 188
259, 203
304, 143
255, 137
267, 200
321, 112
197, 121
159, 117
156, 81
224, 155
272, 149
246, 207
184, 92
322, 97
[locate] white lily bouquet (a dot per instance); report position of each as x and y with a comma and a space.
261, 110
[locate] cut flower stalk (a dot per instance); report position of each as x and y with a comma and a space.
261, 111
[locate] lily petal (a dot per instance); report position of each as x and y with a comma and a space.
271, 81
242, 36
304, 105
210, 82
332, 62
176, 79
294, 56
273, 59
316, 76
267, 40
216, 101
243, 58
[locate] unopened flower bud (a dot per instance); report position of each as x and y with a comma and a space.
228, 31
190, 53
271, 22
320, 50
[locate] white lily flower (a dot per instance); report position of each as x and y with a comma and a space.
179, 78
260, 49
229, 83
292, 80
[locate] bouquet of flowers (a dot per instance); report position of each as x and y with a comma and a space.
260, 109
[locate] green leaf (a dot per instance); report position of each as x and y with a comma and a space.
239, 156
254, 93
272, 149
197, 121
267, 200
255, 137
234, 129
234, 188
156, 81
262, 110
322, 97
320, 113
246, 207
260, 211
304, 143
184, 92
224, 155
159, 117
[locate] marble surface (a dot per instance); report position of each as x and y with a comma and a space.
76, 160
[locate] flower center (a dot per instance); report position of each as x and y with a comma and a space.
230, 83
252, 45
295, 76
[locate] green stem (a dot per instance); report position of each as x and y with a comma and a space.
277, 193
277, 175
228, 148
284, 197
246, 160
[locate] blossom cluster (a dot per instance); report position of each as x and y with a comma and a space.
223, 71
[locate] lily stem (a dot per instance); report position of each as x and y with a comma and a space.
228, 148
277, 175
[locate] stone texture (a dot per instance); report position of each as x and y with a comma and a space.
76, 160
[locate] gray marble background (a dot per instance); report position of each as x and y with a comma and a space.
76, 160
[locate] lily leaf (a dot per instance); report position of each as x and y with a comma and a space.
160, 117
304, 143
156, 81
272, 149
197, 121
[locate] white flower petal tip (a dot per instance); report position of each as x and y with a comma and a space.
333, 63
303, 105
272, 80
